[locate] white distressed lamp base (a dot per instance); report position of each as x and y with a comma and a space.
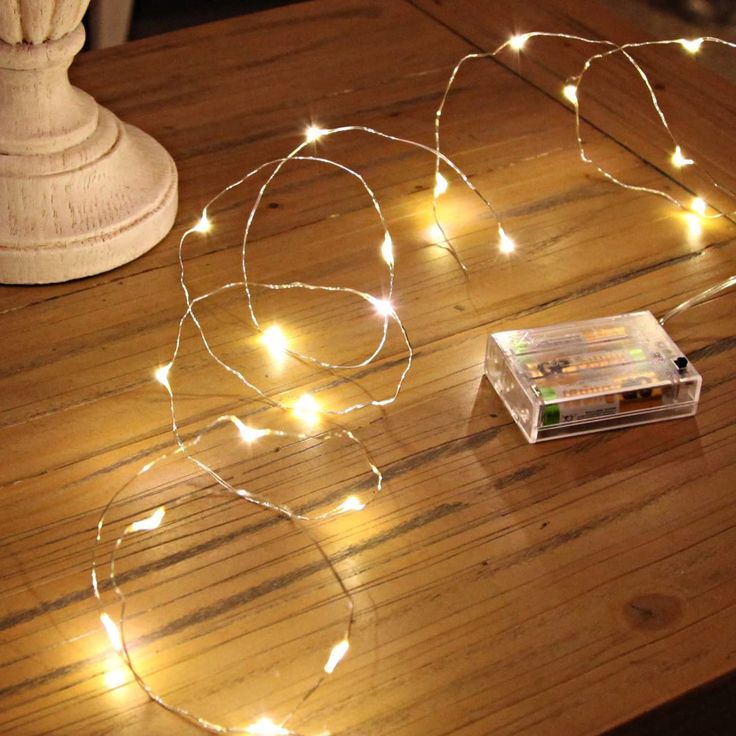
80, 191
85, 210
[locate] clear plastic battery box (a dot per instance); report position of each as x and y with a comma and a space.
591, 375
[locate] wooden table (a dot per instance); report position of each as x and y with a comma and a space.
500, 587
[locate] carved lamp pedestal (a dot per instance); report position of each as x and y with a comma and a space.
80, 191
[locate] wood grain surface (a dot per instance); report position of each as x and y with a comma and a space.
500, 587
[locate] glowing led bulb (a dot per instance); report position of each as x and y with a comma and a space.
314, 133
505, 243
517, 42
440, 185
383, 307
248, 434
162, 375
691, 45
150, 522
113, 634
679, 159
698, 205
266, 727
147, 467
337, 653
694, 226
307, 408
351, 503
434, 234
203, 226
115, 673
275, 340
387, 250
570, 93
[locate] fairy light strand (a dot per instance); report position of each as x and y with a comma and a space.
517, 43
704, 296
307, 407
115, 630
570, 91
678, 158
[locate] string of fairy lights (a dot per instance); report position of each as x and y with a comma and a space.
571, 91
116, 631
307, 408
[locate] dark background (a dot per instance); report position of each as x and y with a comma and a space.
158, 16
